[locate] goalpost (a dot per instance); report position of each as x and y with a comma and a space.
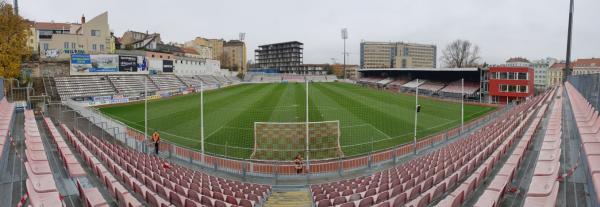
285, 140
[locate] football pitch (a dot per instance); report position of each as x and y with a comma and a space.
369, 119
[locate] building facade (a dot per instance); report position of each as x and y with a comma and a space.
60, 40
234, 56
214, 45
287, 57
555, 74
397, 55
138, 40
338, 70
586, 66
507, 84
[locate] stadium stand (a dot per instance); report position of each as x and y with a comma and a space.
384, 82
425, 179
412, 85
222, 80
331, 78
431, 87
588, 124
454, 89
191, 81
167, 82
294, 78
397, 84
74, 86
371, 81
232, 79
208, 79
162, 183
500, 183
90, 155
40, 183
129, 85
6, 116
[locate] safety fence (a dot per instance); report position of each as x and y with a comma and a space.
135, 139
589, 86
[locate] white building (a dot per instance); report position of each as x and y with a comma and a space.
541, 69
185, 66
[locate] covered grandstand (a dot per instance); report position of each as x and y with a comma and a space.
437, 82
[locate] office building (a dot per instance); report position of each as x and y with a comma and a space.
507, 84
286, 57
397, 55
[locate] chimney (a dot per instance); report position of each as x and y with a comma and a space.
82, 19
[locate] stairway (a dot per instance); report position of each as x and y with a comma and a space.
289, 198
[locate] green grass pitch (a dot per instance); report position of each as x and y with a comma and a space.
369, 119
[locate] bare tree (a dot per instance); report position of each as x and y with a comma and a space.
461, 53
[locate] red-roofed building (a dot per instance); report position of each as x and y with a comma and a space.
586, 66
508, 84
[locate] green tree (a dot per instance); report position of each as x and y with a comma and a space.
13, 42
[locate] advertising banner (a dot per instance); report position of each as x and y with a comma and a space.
167, 66
86, 64
129, 63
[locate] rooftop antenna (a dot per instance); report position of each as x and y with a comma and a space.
242, 36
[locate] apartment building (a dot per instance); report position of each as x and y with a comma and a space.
60, 40
397, 55
234, 56
214, 45
286, 57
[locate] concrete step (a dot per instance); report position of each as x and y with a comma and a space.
295, 198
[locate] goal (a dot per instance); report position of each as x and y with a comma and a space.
285, 140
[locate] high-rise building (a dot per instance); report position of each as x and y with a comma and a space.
234, 56
285, 56
397, 55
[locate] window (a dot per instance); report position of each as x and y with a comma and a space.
66, 45
94, 47
503, 76
95, 32
45, 46
73, 45
101, 47
503, 88
523, 89
522, 76
511, 76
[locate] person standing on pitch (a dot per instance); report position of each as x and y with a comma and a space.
299, 163
156, 140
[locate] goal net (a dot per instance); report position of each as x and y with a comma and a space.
285, 140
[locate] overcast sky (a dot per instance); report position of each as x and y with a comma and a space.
502, 28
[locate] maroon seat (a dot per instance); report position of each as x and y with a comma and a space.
366, 202
206, 201
399, 200
324, 203
339, 200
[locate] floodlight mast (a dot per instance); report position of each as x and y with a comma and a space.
416, 119
567, 69
344, 37
307, 136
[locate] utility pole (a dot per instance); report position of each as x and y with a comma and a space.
202, 118
307, 130
567, 69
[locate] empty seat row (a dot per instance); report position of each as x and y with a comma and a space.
587, 119
70, 162
499, 184
90, 197
543, 189
83, 86
115, 188
7, 111
148, 177
40, 183
167, 82
422, 180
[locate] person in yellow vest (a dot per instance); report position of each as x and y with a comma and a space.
156, 140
